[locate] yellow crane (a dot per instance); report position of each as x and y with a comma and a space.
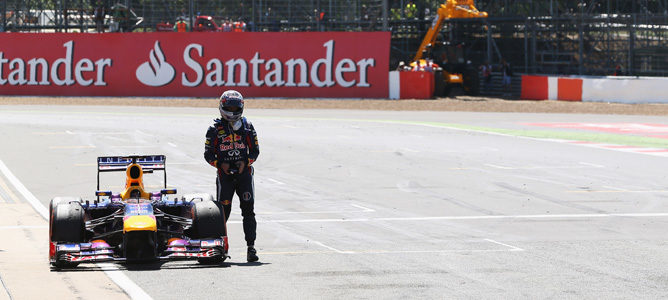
451, 9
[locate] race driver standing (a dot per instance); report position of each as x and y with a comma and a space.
231, 146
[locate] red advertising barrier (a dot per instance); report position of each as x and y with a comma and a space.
169, 64
534, 87
416, 85
569, 89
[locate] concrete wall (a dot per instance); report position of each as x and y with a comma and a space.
625, 89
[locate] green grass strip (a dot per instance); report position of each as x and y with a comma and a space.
603, 138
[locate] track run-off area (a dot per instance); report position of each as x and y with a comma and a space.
363, 204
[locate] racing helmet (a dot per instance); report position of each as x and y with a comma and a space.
231, 105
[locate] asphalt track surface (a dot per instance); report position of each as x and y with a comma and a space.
370, 204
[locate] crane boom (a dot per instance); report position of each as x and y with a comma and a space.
452, 9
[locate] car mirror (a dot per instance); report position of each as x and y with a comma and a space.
102, 193
168, 191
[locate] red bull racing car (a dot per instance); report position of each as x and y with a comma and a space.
135, 225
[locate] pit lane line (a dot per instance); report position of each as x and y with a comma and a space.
7, 294
332, 250
465, 218
112, 271
511, 248
9, 193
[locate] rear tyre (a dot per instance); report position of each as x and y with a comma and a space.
208, 222
67, 226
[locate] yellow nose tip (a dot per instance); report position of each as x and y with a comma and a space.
139, 223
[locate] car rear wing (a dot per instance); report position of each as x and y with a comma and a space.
149, 163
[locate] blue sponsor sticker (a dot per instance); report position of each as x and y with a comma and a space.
69, 247
142, 209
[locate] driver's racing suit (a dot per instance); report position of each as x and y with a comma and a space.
227, 146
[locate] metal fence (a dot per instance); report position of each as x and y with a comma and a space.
536, 36
581, 45
259, 15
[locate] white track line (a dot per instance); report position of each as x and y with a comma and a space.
73, 147
8, 295
332, 248
364, 209
38, 206
512, 248
112, 271
615, 188
130, 288
9, 192
275, 181
499, 167
592, 165
455, 218
133, 146
388, 251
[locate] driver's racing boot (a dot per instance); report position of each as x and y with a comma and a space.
251, 255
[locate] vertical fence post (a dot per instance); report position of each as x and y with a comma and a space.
253, 15
3, 10
526, 46
386, 8
489, 41
534, 46
81, 16
191, 8
66, 15
318, 10
632, 38
56, 12
581, 43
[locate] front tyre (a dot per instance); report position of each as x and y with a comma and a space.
209, 222
67, 226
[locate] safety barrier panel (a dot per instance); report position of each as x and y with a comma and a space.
596, 89
411, 85
625, 89
203, 64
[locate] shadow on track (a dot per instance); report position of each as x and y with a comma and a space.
159, 266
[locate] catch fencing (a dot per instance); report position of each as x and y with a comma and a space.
536, 37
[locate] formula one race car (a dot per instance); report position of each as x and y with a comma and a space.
135, 225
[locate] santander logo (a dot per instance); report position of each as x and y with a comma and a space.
157, 71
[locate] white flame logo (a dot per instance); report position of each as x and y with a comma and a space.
156, 71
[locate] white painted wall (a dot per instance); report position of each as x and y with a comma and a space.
552, 88
394, 85
625, 89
